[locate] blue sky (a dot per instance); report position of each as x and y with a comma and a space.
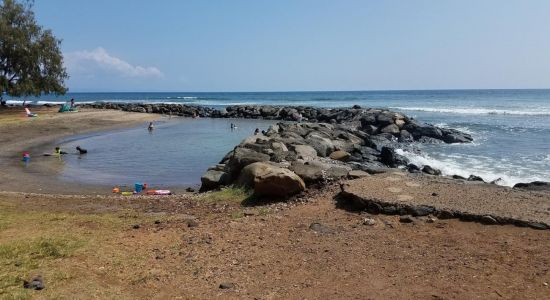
134, 45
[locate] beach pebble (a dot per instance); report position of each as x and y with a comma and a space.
226, 285
431, 219
320, 228
369, 221
407, 219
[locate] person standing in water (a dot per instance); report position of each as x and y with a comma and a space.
150, 127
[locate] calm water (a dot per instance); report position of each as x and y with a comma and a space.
177, 152
511, 128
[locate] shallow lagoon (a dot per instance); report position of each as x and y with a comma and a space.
176, 153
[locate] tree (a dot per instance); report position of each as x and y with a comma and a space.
31, 62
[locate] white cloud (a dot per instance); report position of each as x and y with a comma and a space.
86, 60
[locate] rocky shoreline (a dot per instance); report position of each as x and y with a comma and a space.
335, 144
320, 144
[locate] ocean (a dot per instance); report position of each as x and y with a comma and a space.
511, 128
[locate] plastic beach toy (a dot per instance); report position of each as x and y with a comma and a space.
159, 192
127, 193
26, 156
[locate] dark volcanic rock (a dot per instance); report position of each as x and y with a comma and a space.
413, 168
388, 157
534, 186
429, 170
475, 178
213, 179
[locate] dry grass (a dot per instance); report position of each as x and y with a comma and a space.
61, 247
231, 194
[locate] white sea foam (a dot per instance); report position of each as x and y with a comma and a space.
474, 165
41, 102
14, 102
478, 111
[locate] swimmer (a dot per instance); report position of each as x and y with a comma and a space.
81, 150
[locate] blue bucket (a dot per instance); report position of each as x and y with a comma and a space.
138, 187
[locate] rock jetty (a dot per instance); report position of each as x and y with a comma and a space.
342, 143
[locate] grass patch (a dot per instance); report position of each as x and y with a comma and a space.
229, 194
236, 215
19, 258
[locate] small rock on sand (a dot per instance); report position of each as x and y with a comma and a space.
406, 219
369, 221
226, 285
320, 228
37, 283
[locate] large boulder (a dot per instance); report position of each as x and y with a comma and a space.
322, 145
424, 130
455, 137
242, 157
392, 128
305, 152
309, 173
213, 179
388, 157
384, 119
316, 171
534, 186
340, 155
270, 180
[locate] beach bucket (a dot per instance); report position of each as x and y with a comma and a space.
138, 187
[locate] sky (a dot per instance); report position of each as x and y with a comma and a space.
300, 45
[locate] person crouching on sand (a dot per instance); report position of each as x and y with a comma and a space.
58, 151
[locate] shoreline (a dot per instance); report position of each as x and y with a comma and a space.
42, 134
54, 128
133, 113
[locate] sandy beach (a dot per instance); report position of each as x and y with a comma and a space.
86, 242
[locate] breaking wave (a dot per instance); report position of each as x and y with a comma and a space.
478, 111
